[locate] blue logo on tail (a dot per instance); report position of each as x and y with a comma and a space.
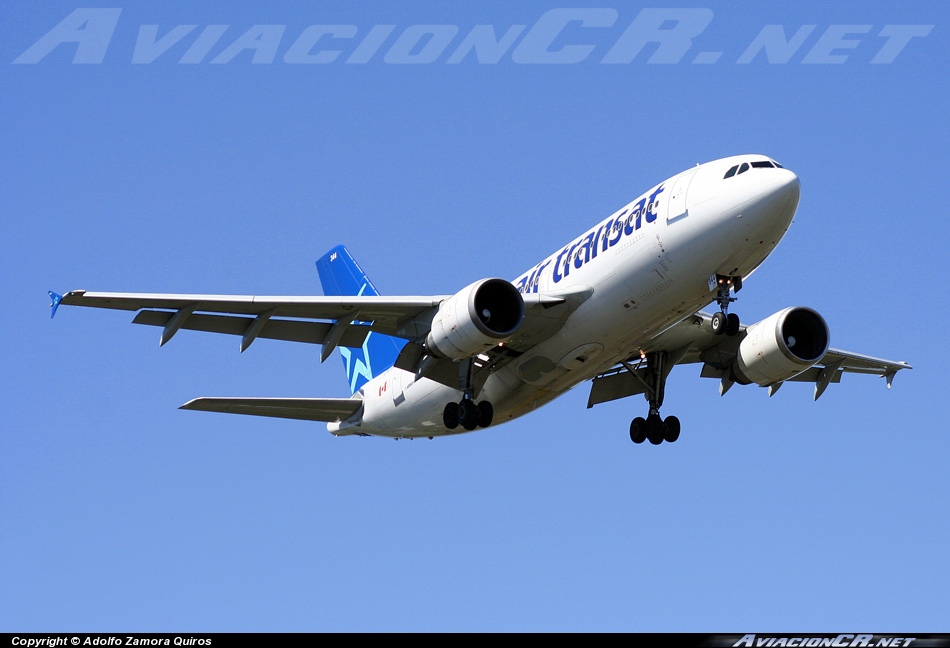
340, 275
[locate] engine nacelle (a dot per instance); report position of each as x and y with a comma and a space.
781, 346
475, 318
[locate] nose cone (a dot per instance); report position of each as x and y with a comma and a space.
764, 197
775, 206
764, 203
742, 215
782, 188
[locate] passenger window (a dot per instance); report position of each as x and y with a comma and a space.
731, 172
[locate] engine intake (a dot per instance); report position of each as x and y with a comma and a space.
475, 319
781, 346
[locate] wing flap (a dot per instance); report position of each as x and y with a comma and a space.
303, 409
813, 375
858, 363
612, 386
274, 329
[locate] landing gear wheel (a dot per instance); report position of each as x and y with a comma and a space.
485, 414
638, 430
450, 415
655, 430
732, 324
719, 323
468, 414
671, 429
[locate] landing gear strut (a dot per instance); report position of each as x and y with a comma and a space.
653, 427
725, 322
467, 412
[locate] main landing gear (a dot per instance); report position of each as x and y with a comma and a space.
724, 322
467, 412
653, 427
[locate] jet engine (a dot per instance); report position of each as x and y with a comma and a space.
475, 319
781, 346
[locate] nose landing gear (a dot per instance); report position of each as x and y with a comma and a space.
725, 322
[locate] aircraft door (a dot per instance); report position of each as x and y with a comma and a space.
398, 386
676, 208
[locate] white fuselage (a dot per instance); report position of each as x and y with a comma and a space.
648, 266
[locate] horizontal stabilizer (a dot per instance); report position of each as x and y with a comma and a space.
304, 409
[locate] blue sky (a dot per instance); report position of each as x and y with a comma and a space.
118, 512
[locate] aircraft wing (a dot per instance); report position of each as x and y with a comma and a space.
304, 409
348, 319
281, 318
692, 341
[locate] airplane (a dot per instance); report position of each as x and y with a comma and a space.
619, 306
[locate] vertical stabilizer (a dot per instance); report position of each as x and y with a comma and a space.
340, 275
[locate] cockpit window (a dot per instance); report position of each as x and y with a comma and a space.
756, 164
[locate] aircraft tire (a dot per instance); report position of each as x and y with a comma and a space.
732, 324
655, 430
485, 414
638, 430
468, 414
450, 415
719, 323
671, 429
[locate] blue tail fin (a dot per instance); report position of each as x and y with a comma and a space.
340, 275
